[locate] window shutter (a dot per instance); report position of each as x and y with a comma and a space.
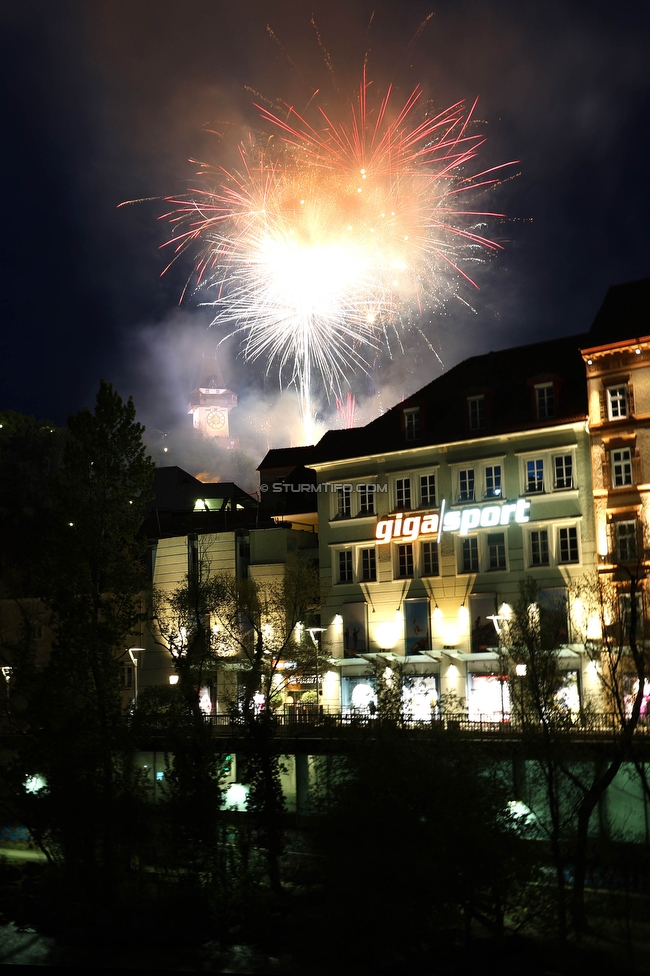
630, 400
607, 470
603, 406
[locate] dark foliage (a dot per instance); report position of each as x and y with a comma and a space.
423, 827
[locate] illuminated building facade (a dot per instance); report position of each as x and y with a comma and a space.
431, 516
194, 527
617, 362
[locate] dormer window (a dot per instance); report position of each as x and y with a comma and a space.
476, 408
544, 401
412, 423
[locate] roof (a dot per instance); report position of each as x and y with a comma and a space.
174, 510
286, 457
506, 380
624, 314
177, 491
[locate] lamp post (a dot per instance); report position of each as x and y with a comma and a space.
313, 631
500, 621
132, 654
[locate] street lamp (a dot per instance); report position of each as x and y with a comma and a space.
313, 631
132, 652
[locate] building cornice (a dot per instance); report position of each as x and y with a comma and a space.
594, 352
576, 424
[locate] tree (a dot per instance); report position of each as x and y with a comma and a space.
192, 794
421, 821
263, 628
621, 657
607, 621
93, 560
30, 454
530, 643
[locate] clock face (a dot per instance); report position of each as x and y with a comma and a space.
216, 419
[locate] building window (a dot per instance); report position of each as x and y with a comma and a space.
428, 490
476, 407
567, 545
344, 502
496, 547
493, 481
535, 475
345, 566
617, 402
403, 492
127, 677
405, 561
563, 471
545, 401
539, 548
412, 424
482, 608
553, 616
430, 564
469, 555
621, 467
366, 499
625, 615
484, 479
368, 565
625, 541
549, 471
466, 485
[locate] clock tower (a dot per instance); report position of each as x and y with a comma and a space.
210, 403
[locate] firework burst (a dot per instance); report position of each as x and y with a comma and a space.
328, 233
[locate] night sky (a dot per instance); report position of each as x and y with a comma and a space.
105, 100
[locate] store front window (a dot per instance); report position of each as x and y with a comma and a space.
358, 695
568, 697
489, 698
630, 690
420, 697
208, 699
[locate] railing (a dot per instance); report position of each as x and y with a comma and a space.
320, 724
